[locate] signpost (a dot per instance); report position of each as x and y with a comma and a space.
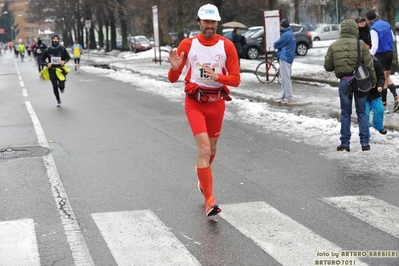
271, 23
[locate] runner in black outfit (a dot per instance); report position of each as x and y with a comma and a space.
57, 57
38, 51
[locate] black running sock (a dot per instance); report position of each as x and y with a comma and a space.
384, 95
392, 88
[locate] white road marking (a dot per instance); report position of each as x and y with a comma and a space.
286, 240
140, 237
77, 245
371, 210
18, 245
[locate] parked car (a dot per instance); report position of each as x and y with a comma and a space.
228, 32
255, 41
194, 33
325, 32
140, 43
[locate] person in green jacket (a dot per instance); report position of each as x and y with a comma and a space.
21, 50
342, 58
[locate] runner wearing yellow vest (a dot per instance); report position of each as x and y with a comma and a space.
77, 52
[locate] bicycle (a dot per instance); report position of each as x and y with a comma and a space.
268, 70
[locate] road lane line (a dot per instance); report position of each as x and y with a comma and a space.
77, 245
286, 240
18, 245
371, 210
142, 238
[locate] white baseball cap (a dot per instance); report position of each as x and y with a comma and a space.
209, 12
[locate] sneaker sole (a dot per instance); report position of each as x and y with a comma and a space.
213, 211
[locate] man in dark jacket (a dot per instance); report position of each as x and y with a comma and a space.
239, 41
57, 57
342, 58
364, 31
286, 46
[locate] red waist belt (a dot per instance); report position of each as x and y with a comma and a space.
205, 95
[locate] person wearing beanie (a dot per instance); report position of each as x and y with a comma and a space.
342, 58
285, 46
55, 57
38, 51
364, 31
382, 45
211, 63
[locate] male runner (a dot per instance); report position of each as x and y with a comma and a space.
211, 63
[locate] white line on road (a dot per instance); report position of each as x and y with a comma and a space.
286, 240
18, 245
371, 210
140, 238
77, 245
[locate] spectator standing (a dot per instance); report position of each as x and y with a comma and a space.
286, 46
364, 31
211, 65
239, 42
342, 58
374, 101
382, 42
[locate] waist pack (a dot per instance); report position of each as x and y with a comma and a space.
206, 95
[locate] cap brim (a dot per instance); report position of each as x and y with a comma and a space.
210, 18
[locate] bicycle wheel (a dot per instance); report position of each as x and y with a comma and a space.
266, 72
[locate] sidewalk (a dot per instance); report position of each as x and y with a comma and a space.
315, 97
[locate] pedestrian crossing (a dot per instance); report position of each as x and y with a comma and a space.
142, 238
18, 244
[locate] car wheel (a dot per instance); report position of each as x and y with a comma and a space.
316, 39
252, 52
301, 49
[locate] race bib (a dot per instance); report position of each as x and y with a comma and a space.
56, 60
201, 75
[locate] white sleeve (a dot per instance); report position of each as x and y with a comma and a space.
393, 36
374, 42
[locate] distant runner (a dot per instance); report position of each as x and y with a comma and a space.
77, 52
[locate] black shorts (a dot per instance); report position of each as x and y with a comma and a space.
385, 59
76, 60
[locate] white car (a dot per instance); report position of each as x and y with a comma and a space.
325, 32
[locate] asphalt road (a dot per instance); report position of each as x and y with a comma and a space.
118, 186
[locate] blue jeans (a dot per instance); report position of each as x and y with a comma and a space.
378, 113
346, 112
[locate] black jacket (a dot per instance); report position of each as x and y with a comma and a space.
55, 54
379, 72
39, 48
364, 34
